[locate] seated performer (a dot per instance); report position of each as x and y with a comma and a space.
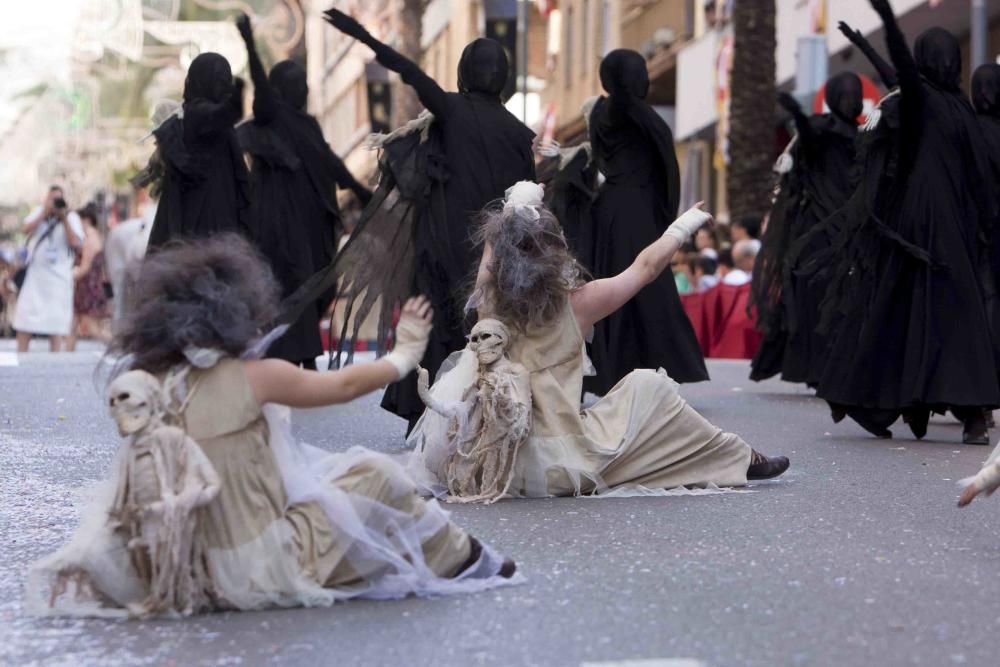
258, 519
642, 433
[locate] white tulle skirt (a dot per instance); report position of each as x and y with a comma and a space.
385, 545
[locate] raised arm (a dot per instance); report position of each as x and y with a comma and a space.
911, 89
265, 104
277, 381
430, 93
600, 298
802, 125
885, 71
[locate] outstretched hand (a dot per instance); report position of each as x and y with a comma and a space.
693, 219
789, 103
969, 494
344, 23
244, 27
882, 7
412, 334
850, 33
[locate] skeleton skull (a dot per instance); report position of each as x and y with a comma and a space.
136, 398
489, 340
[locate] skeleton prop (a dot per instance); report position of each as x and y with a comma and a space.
491, 422
164, 477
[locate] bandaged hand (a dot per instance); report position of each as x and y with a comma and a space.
684, 227
412, 332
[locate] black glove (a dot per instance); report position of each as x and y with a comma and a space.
850, 33
789, 104
243, 25
345, 24
882, 7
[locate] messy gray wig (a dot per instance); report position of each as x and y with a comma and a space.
216, 293
533, 271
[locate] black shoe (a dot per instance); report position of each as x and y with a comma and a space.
975, 431
508, 568
917, 421
764, 467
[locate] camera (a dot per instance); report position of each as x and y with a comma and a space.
59, 202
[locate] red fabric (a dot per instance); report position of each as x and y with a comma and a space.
721, 323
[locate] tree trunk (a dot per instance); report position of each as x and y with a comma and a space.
751, 119
409, 28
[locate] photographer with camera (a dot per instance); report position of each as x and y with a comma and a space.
45, 296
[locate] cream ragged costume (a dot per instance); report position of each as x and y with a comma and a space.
273, 523
642, 433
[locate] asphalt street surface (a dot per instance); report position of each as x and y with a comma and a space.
857, 556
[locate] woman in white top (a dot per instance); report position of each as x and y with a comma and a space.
45, 301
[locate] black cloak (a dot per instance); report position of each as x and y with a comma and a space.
986, 100
634, 149
919, 337
294, 177
434, 181
819, 183
205, 185
570, 190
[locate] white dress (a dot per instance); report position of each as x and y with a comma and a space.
45, 302
641, 436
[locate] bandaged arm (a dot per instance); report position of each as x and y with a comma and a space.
600, 298
277, 381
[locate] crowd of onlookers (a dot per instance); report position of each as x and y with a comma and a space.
723, 254
60, 284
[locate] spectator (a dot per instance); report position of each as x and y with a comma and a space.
45, 302
744, 256
745, 229
682, 275
705, 270
90, 301
124, 250
705, 238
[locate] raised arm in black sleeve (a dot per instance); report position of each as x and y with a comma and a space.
885, 71
430, 93
911, 89
264, 102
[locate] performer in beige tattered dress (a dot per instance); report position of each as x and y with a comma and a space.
284, 524
642, 433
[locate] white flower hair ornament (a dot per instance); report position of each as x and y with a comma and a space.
524, 198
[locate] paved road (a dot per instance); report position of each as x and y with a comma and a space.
857, 557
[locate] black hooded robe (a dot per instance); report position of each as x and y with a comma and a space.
919, 338
205, 187
294, 178
479, 149
819, 183
486, 150
634, 149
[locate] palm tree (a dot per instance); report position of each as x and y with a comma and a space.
751, 124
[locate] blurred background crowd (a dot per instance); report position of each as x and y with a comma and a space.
79, 80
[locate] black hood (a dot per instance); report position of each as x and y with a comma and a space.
288, 79
845, 97
209, 78
986, 89
939, 58
484, 68
623, 73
